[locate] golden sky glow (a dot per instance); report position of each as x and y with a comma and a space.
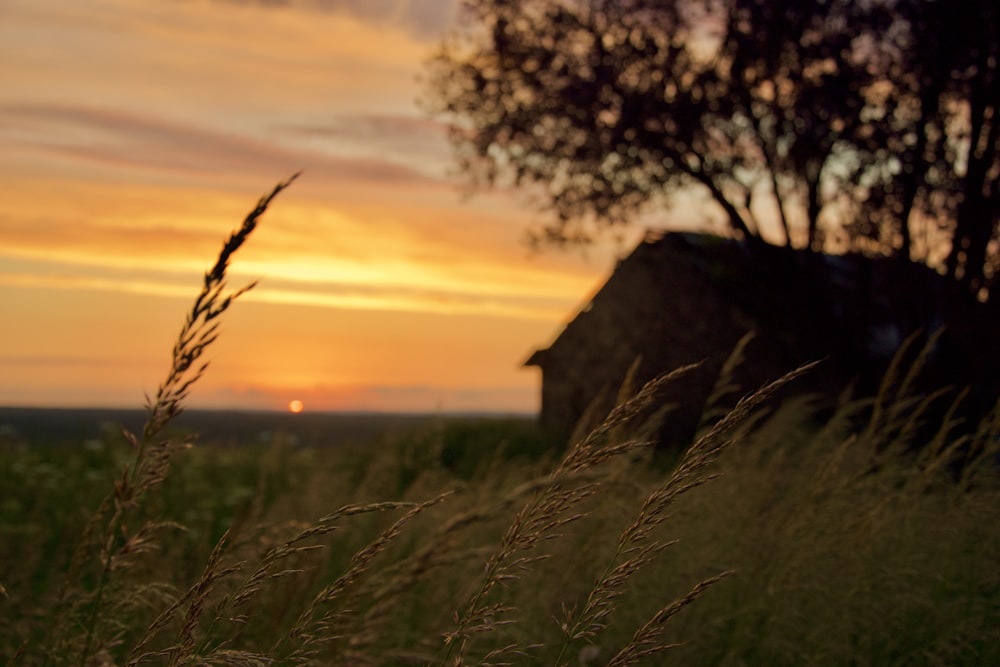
135, 135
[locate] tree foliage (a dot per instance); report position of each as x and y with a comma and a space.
829, 125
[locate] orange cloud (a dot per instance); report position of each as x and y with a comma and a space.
424, 19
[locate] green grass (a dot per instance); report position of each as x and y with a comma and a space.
862, 534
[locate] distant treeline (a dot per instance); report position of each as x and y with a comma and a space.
59, 426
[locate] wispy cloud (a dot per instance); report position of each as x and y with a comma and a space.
241, 66
417, 141
380, 292
425, 19
128, 141
145, 242
60, 361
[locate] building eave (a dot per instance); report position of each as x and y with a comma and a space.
537, 358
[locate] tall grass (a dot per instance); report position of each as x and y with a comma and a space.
862, 533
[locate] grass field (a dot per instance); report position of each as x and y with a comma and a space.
839, 554
862, 533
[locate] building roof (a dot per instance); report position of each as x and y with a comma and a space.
682, 298
870, 303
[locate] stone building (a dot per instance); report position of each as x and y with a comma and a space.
681, 298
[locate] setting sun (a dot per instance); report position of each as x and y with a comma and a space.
295, 406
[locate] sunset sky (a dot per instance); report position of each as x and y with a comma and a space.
136, 134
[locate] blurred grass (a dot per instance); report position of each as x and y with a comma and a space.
834, 563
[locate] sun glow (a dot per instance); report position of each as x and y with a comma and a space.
379, 289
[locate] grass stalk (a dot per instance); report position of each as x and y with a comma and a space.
153, 451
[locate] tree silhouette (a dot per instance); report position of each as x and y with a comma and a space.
948, 101
834, 125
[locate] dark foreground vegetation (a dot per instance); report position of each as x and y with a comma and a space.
841, 551
867, 534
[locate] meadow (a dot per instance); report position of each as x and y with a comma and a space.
861, 531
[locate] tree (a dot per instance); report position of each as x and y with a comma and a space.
950, 139
801, 75
838, 124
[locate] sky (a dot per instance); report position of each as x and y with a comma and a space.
135, 135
